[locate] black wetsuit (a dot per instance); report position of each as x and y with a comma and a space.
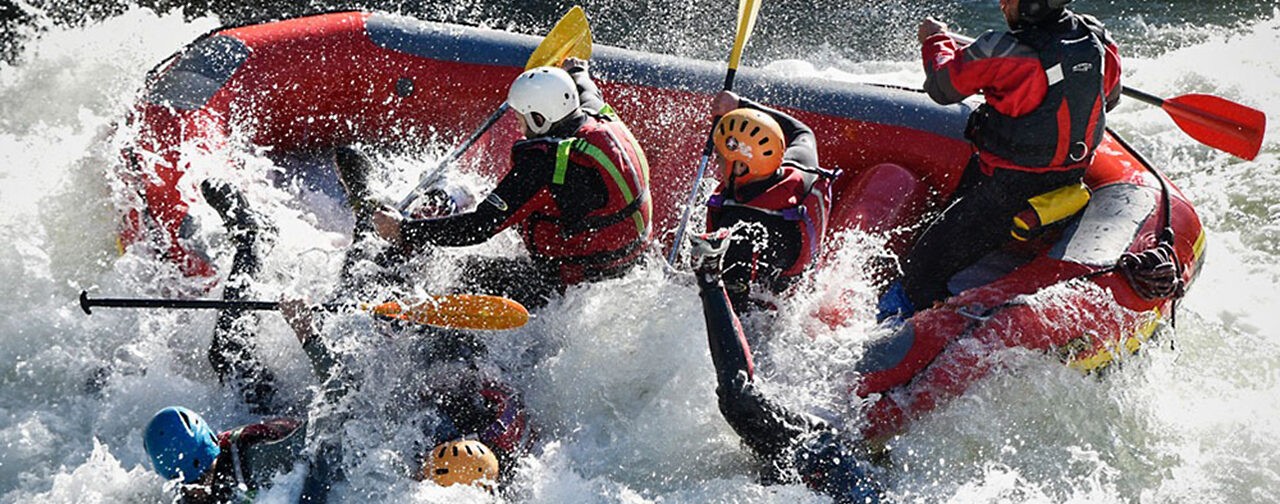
794, 444
232, 350
745, 266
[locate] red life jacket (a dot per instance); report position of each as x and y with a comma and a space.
608, 237
806, 203
510, 432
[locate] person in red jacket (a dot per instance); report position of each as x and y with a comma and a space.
578, 191
771, 192
1047, 85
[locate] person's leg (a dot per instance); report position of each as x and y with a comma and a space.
975, 224
324, 469
367, 267
353, 171
789, 440
970, 228
232, 351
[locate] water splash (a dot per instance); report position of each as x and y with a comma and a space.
616, 373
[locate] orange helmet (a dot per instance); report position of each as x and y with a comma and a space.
753, 138
464, 461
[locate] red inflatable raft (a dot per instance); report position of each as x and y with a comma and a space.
321, 81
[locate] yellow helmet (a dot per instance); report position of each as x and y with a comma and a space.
753, 138
464, 461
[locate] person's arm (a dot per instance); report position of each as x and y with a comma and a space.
509, 203
1111, 71
802, 145
323, 470
589, 96
469, 228
940, 55
1111, 79
306, 328
730, 352
1007, 73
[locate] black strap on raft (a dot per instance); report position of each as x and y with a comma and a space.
1155, 272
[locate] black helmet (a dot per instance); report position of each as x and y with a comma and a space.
1035, 11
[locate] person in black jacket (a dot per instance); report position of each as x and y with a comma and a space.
1047, 85
232, 466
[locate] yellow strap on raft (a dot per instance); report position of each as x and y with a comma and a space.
1051, 207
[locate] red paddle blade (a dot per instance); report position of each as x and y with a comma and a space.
1219, 123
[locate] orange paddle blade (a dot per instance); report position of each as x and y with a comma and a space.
1219, 123
459, 311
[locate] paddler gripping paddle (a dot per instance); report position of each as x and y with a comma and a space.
747, 10
454, 311
571, 37
1217, 122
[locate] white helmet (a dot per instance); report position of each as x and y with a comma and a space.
543, 96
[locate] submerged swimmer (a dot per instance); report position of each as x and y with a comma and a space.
481, 417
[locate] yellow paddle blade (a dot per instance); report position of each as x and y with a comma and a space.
571, 36
458, 311
747, 10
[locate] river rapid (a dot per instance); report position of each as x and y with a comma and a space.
616, 374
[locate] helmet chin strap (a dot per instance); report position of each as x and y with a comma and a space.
732, 184
564, 127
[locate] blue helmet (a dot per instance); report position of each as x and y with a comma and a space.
180, 443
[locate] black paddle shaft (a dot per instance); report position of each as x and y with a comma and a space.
1143, 96
213, 304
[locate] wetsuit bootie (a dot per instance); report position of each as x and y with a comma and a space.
353, 170
708, 252
247, 228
